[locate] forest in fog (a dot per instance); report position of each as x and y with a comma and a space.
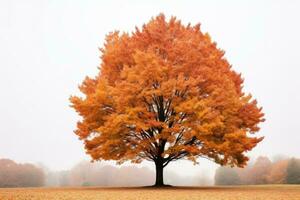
280, 170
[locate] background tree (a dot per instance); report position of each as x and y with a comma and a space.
63, 178
278, 172
226, 176
293, 171
8, 169
256, 173
259, 171
263, 171
13, 174
95, 174
165, 93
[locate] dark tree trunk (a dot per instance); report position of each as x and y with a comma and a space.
159, 173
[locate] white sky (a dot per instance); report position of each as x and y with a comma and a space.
48, 47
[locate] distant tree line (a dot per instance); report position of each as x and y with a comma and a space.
263, 171
14, 174
86, 173
97, 174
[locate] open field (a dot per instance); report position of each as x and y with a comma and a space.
274, 192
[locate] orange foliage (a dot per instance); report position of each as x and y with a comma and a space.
278, 172
258, 173
13, 174
163, 93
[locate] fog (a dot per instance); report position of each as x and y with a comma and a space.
48, 47
263, 170
86, 173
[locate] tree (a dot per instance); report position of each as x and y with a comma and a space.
165, 93
226, 176
293, 171
8, 169
259, 171
13, 174
277, 174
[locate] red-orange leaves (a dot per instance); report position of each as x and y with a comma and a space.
163, 93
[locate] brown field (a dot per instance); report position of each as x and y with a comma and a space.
271, 192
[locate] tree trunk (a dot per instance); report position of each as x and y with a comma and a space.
159, 174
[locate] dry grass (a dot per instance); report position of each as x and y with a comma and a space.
274, 192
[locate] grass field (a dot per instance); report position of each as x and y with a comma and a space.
274, 192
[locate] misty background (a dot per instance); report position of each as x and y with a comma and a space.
279, 170
48, 47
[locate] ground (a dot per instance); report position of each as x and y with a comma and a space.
266, 192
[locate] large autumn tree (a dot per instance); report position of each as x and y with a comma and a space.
164, 93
